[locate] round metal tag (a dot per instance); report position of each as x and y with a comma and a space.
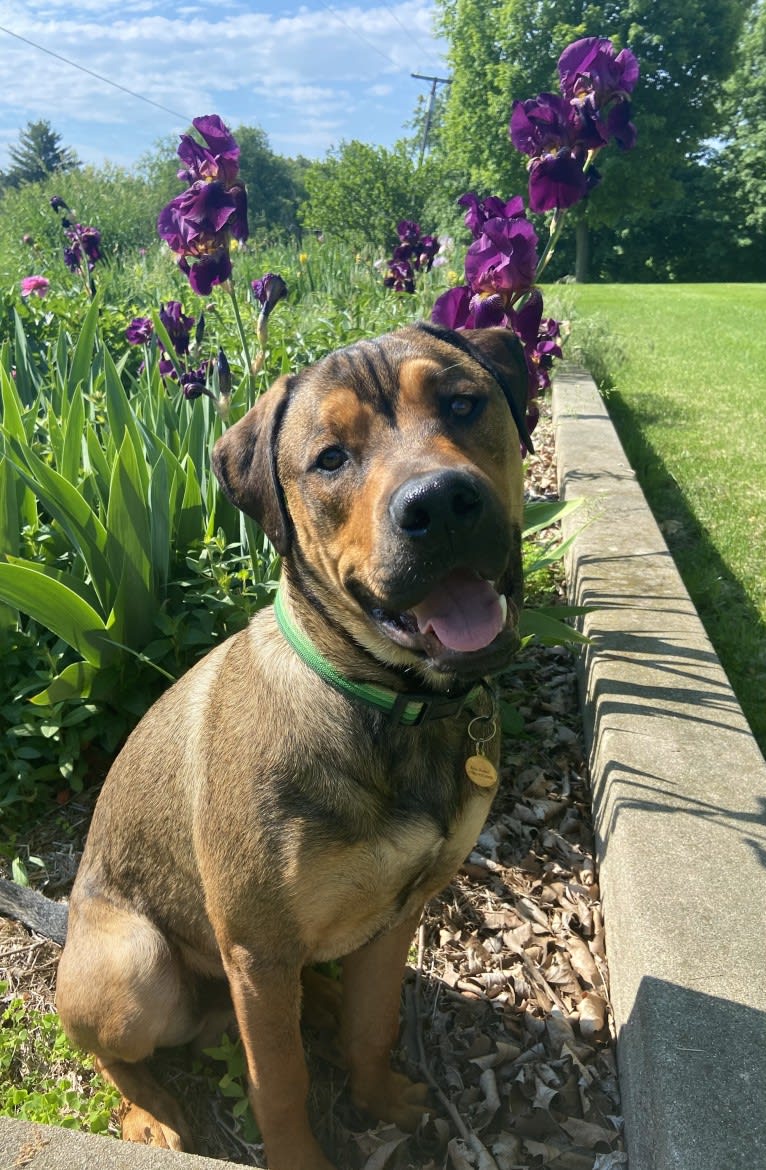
481, 771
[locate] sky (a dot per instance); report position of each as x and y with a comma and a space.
310, 74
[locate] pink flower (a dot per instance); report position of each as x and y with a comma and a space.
35, 284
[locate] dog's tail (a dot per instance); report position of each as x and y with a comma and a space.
34, 910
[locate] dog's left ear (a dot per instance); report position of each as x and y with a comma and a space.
245, 463
503, 349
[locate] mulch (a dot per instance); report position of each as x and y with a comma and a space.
506, 1004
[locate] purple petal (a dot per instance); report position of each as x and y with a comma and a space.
556, 181
452, 308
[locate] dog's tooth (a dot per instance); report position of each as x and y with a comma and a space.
504, 606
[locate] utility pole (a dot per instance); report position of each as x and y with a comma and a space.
429, 112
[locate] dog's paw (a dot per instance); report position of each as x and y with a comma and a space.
398, 1100
140, 1126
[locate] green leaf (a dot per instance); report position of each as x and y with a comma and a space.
82, 359
122, 419
159, 516
543, 513
74, 682
67, 579
129, 540
548, 629
57, 608
190, 522
13, 409
69, 463
81, 524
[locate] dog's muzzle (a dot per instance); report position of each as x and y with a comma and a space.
449, 547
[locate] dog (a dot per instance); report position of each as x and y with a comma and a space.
304, 790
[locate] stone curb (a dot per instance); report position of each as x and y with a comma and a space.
27, 1146
679, 795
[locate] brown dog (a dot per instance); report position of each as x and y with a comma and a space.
290, 799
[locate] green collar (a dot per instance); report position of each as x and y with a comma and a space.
407, 708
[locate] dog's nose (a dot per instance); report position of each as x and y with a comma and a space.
436, 504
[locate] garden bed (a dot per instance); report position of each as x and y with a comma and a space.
505, 1008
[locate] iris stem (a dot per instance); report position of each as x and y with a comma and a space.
242, 336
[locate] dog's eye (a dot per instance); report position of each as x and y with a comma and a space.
464, 406
331, 459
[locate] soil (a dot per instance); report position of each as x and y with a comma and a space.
505, 1006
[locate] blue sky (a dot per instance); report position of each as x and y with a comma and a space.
311, 74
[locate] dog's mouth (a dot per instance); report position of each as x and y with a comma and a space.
462, 617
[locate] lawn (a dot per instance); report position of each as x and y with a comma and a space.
681, 367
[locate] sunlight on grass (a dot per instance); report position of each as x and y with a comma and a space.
682, 370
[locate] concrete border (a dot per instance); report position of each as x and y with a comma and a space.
679, 795
24, 1144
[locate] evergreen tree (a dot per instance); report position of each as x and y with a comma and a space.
38, 153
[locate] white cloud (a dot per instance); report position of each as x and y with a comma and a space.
299, 74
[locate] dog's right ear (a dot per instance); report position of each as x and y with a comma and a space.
245, 463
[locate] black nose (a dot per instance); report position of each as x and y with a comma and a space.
436, 504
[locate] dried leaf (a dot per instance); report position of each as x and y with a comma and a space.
383, 1155
592, 1014
587, 1134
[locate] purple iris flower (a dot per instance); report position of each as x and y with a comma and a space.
83, 242
198, 224
408, 231
426, 251
269, 290
178, 325
597, 80
480, 210
504, 257
401, 277
140, 330
193, 383
208, 270
452, 309
195, 219
593, 66
543, 125
556, 181
218, 159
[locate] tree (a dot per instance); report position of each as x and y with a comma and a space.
744, 157
501, 50
39, 153
360, 192
273, 190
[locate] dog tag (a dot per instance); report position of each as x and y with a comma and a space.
481, 771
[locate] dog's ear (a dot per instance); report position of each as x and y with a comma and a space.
503, 349
245, 463
501, 354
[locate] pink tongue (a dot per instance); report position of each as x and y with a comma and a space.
463, 611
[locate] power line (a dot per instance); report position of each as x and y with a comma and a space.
359, 35
426, 52
99, 77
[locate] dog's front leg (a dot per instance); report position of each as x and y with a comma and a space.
267, 1005
372, 982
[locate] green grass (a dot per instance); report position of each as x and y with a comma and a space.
682, 371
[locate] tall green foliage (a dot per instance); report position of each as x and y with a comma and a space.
501, 50
360, 192
744, 158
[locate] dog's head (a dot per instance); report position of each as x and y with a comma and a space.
388, 476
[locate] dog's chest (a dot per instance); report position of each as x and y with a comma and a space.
352, 891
